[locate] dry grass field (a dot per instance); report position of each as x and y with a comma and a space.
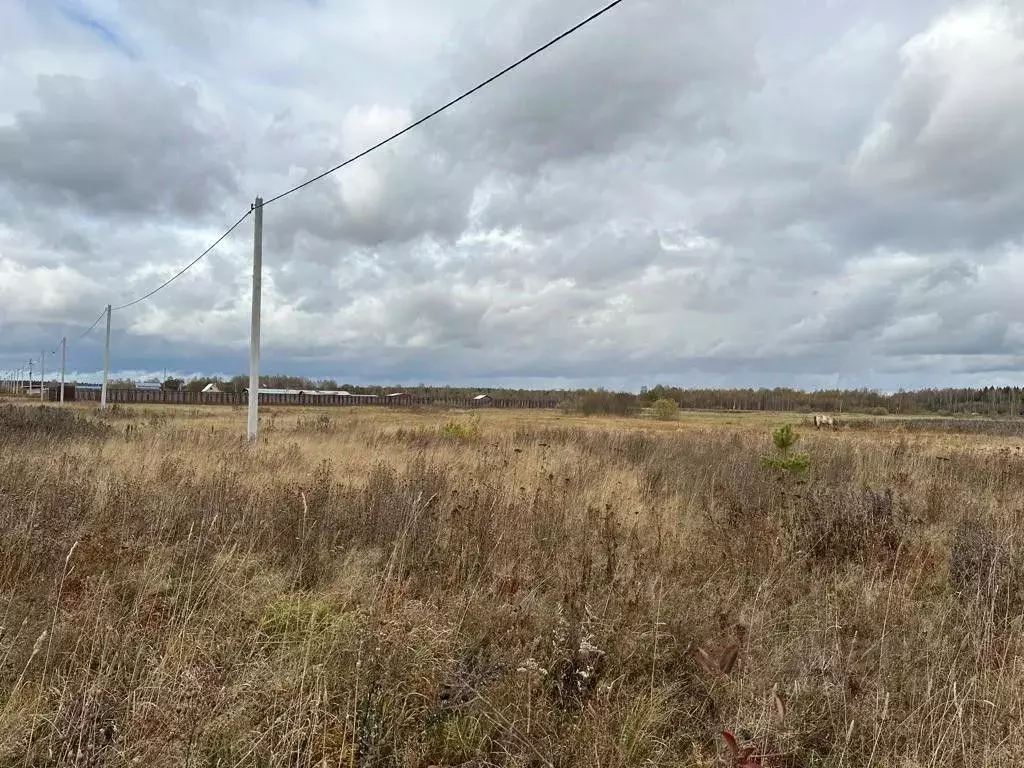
385, 588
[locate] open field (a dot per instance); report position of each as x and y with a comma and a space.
386, 588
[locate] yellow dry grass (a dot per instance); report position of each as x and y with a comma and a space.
373, 587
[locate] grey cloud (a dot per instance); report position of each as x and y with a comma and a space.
919, 160
988, 366
595, 256
433, 316
957, 275
849, 220
956, 114
646, 66
946, 310
125, 145
411, 194
539, 202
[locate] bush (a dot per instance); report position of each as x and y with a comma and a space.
456, 430
793, 462
604, 403
665, 409
784, 438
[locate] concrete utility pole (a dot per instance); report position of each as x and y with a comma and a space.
29, 385
254, 332
63, 364
42, 375
106, 363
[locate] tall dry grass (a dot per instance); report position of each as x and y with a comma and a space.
363, 590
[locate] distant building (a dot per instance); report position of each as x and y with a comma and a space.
280, 391
150, 385
308, 392
211, 387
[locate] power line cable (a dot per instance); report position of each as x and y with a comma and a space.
453, 102
184, 269
89, 330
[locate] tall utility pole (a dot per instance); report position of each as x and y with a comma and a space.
29, 386
42, 375
254, 332
106, 363
63, 364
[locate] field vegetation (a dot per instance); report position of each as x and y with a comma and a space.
384, 588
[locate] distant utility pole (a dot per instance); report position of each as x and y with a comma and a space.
254, 332
42, 375
106, 363
63, 364
29, 375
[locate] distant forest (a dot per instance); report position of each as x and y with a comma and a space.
988, 401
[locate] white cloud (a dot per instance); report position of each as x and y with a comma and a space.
956, 113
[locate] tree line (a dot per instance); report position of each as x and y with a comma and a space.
990, 401
949, 401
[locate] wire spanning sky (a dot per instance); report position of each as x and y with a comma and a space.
693, 193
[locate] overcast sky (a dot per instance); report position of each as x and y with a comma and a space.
692, 192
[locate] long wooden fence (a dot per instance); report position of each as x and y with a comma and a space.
172, 397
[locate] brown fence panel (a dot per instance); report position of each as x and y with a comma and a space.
229, 398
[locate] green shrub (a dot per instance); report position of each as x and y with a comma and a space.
457, 430
784, 438
603, 403
793, 462
665, 409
